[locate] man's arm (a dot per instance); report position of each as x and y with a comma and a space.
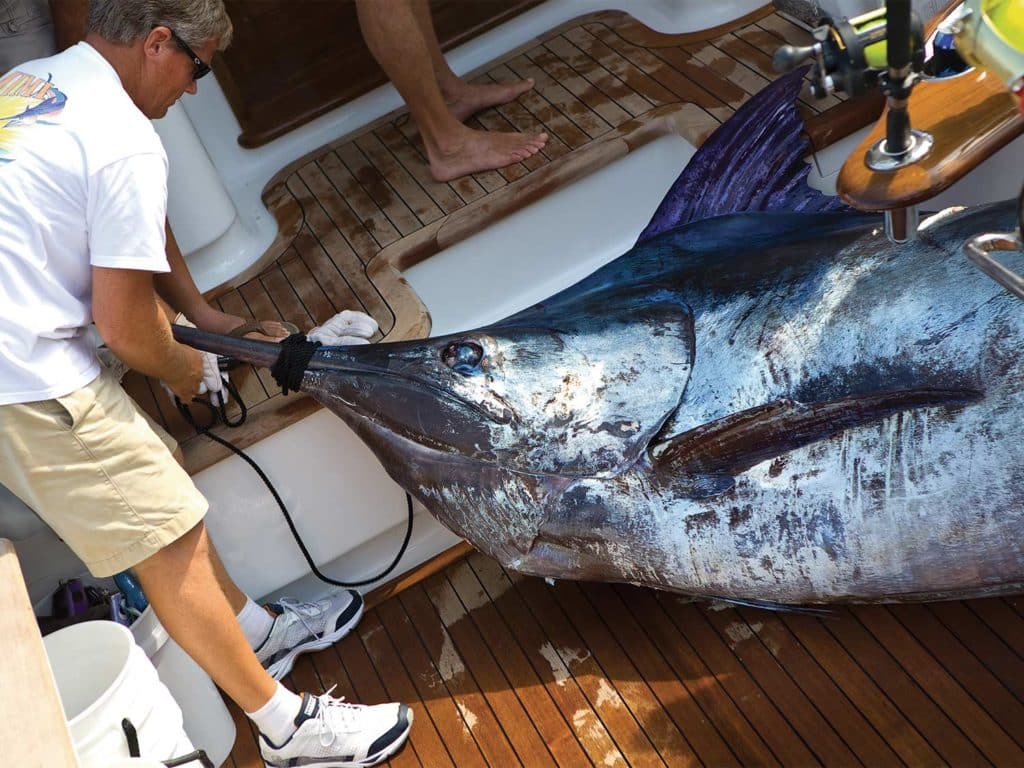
134, 327
179, 290
69, 18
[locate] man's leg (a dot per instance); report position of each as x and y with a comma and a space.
463, 99
394, 36
181, 584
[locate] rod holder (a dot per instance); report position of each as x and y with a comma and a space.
979, 248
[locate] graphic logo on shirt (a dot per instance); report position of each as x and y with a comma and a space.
25, 101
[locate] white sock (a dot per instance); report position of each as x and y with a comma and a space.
276, 718
255, 623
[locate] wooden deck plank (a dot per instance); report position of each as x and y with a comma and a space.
494, 684
403, 183
560, 72
442, 193
441, 707
762, 713
635, 78
887, 673
630, 737
318, 307
700, 680
544, 104
558, 93
245, 752
714, 82
1000, 616
325, 192
984, 733
351, 191
673, 695
377, 187
379, 673
684, 88
285, 297
595, 74
961, 665
319, 238
552, 727
625, 682
588, 728
800, 709
898, 733
472, 702
519, 115
816, 686
991, 649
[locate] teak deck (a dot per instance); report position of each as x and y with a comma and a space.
504, 670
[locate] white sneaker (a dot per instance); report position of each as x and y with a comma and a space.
332, 733
304, 627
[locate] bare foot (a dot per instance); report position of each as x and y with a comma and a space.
471, 151
467, 99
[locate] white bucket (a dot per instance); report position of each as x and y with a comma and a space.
103, 677
207, 721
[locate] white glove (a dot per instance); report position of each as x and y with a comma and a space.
213, 378
345, 328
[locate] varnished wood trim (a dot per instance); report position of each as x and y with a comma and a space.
416, 575
33, 731
632, 31
837, 123
970, 117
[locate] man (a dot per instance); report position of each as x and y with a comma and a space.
400, 35
82, 214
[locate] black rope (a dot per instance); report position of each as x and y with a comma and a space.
206, 430
296, 352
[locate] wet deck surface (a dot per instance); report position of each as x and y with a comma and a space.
504, 670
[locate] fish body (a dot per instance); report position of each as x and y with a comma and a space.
757, 405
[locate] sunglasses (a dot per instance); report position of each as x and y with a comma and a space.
200, 68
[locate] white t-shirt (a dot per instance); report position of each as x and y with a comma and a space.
83, 182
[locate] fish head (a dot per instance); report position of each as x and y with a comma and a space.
567, 393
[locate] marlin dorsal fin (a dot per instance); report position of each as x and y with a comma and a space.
733, 444
754, 161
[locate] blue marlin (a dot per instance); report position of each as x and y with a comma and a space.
763, 400
50, 106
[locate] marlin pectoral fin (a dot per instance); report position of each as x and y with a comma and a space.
737, 442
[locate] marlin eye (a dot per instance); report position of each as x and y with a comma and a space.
463, 356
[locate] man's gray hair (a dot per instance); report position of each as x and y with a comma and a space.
194, 21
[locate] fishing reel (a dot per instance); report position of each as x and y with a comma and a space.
990, 34
851, 55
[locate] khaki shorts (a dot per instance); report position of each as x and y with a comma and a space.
100, 473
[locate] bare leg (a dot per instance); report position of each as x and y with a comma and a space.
181, 584
398, 43
463, 99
